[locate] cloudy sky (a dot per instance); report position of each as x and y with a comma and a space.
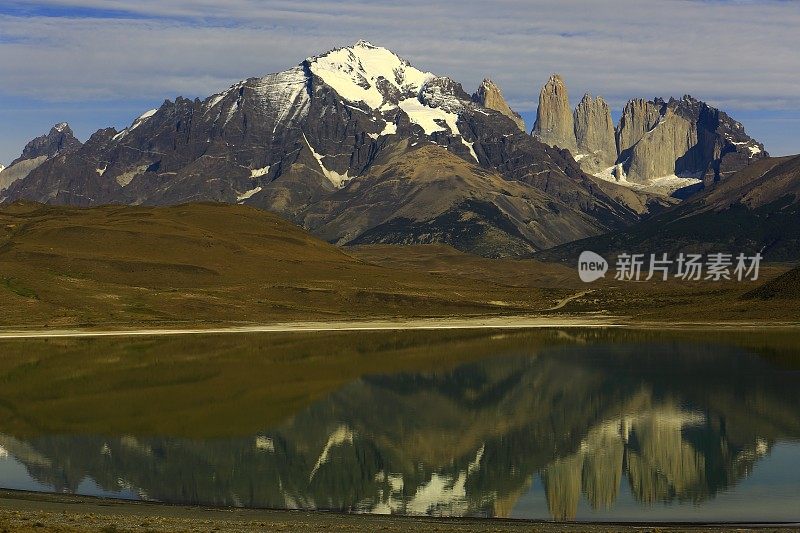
97, 63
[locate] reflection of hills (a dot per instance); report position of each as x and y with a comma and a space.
678, 422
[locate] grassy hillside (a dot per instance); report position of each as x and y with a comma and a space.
212, 264
209, 264
784, 287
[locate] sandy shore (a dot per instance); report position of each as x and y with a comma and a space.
27, 512
510, 322
455, 323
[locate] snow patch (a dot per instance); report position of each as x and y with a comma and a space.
247, 194
443, 494
664, 185
471, 146
101, 171
287, 92
141, 119
265, 444
258, 172
215, 99
340, 436
429, 117
389, 129
338, 180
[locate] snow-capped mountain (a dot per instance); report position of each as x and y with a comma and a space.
293, 141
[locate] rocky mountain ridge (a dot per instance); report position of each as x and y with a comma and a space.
302, 141
490, 96
658, 145
59, 141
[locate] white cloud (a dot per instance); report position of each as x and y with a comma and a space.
732, 53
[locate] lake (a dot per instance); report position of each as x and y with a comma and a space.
572, 424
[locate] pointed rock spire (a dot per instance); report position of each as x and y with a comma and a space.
554, 120
490, 96
594, 132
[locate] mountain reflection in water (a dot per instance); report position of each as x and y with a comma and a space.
664, 422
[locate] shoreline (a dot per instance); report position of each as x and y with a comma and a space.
418, 324
43, 511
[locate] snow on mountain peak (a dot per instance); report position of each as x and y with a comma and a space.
61, 126
366, 73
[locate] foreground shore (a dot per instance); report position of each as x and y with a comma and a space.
421, 324
28, 512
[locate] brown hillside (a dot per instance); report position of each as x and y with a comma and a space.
208, 263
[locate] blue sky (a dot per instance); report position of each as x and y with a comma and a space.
98, 63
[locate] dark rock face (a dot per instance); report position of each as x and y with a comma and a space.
60, 140
289, 142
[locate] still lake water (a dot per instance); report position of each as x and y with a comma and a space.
557, 425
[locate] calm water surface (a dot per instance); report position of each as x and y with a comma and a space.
563, 425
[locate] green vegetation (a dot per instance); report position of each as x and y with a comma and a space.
13, 286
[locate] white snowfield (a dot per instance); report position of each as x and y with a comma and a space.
354, 73
337, 179
663, 185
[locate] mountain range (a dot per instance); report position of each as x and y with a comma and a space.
658, 145
358, 146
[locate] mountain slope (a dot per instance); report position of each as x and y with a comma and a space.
784, 287
206, 264
755, 210
287, 141
427, 195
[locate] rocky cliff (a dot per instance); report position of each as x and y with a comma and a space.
659, 146
594, 133
554, 120
490, 96
59, 141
